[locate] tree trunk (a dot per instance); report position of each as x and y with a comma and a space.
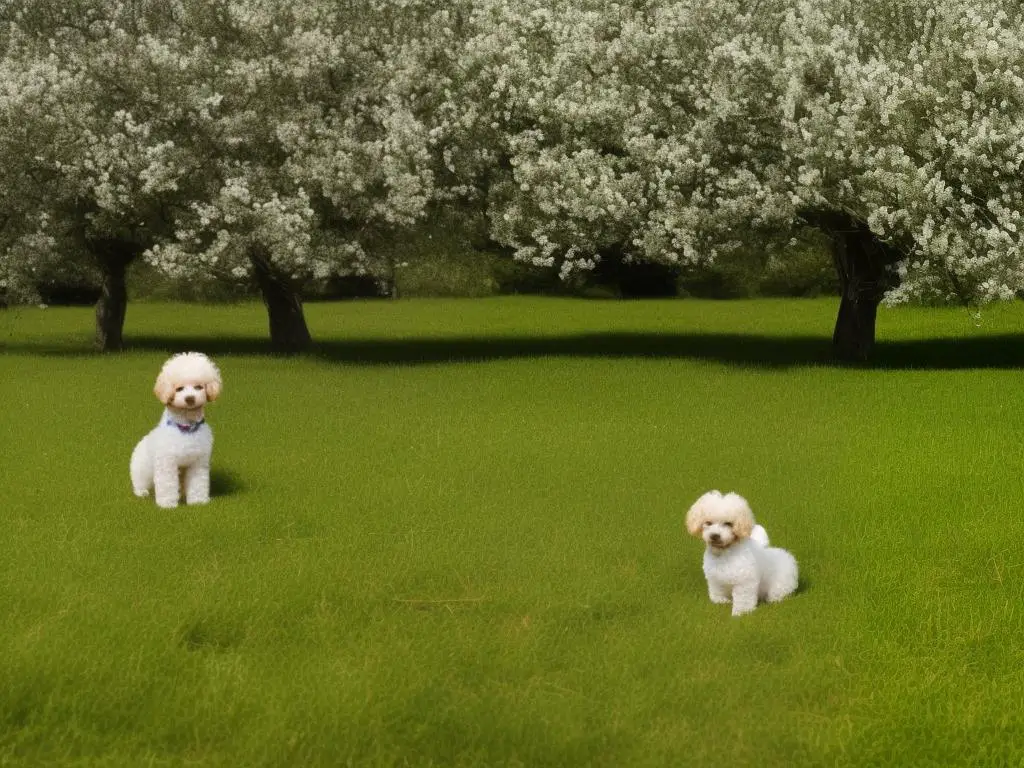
861, 279
111, 309
860, 260
288, 331
113, 257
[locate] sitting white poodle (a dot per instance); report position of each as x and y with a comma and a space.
176, 454
738, 563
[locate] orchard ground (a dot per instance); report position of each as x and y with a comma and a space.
454, 535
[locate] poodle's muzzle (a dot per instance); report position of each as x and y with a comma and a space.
189, 397
718, 535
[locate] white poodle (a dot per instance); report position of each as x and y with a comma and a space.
176, 454
738, 563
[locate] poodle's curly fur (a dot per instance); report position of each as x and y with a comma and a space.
739, 564
175, 456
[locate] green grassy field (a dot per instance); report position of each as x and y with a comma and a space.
453, 536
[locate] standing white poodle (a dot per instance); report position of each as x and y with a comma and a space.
176, 454
738, 563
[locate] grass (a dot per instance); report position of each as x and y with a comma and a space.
454, 536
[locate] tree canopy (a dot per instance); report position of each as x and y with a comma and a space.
260, 140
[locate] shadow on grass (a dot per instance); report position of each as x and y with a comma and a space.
996, 351
210, 635
225, 483
803, 584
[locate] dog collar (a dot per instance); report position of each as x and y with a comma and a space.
186, 429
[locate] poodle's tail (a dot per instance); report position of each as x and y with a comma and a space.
760, 535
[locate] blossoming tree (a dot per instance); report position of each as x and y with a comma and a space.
904, 132
271, 141
668, 130
91, 171
227, 140
598, 130
311, 145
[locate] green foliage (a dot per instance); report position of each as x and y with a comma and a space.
515, 277
147, 283
71, 282
803, 267
447, 257
440, 258
451, 256
734, 275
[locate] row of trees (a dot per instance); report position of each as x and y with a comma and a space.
267, 141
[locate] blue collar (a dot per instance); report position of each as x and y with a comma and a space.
186, 429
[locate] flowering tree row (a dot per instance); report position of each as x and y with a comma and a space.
270, 141
258, 140
659, 130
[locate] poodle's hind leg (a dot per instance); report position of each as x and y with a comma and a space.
718, 592
785, 576
197, 483
784, 585
141, 469
166, 483
778, 592
744, 598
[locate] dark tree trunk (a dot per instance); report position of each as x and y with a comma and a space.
289, 334
111, 309
860, 261
861, 278
113, 257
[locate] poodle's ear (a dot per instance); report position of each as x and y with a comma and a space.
743, 517
164, 388
698, 512
694, 520
213, 388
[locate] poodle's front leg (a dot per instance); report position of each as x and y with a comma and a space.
197, 483
718, 592
141, 469
744, 598
166, 483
